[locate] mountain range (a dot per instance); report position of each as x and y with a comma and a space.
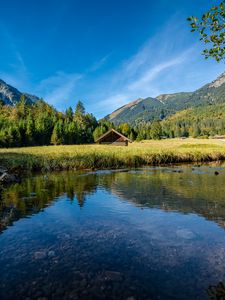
146, 109
165, 105
10, 95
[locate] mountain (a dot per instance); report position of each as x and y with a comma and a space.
147, 109
166, 105
11, 95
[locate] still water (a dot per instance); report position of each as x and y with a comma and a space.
152, 233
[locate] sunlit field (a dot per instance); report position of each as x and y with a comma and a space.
105, 156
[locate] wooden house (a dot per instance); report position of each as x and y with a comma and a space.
113, 137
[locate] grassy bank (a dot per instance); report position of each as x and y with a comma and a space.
99, 156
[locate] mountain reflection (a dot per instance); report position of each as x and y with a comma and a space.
193, 190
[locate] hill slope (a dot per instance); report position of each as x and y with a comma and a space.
168, 104
207, 120
135, 111
11, 95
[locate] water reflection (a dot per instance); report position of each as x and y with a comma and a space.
216, 292
187, 190
35, 193
154, 233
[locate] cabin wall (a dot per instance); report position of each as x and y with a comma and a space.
123, 143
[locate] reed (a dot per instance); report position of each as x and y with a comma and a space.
77, 157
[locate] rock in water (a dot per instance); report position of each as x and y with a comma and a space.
7, 178
2, 170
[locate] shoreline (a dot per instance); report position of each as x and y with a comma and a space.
25, 164
96, 157
37, 164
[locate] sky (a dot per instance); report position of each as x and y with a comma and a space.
105, 53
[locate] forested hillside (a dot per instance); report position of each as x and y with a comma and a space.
140, 110
149, 109
201, 121
40, 124
197, 114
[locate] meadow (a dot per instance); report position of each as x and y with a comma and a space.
137, 154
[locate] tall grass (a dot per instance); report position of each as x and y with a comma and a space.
105, 156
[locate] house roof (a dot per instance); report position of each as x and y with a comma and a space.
112, 130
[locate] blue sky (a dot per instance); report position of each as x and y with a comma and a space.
103, 52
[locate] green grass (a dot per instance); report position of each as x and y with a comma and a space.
76, 157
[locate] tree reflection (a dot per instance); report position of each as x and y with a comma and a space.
186, 192
34, 194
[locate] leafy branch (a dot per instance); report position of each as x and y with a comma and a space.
211, 27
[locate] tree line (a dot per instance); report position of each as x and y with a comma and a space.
41, 124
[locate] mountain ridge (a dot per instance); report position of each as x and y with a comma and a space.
165, 105
143, 109
11, 95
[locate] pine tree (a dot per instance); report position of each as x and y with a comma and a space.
30, 131
156, 130
57, 134
79, 110
69, 113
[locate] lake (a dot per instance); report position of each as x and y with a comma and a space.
150, 233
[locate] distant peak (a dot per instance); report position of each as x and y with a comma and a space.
218, 81
10, 95
163, 97
2, 81
134, 102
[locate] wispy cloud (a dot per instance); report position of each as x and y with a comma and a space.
17, 74
152, 73
137, 76
99, 64
140, 86
59, 88
167, 62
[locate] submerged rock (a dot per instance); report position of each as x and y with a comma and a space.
2, 170
6, 177
51, 253
112, 275
177, 171
185, 234
40, 254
